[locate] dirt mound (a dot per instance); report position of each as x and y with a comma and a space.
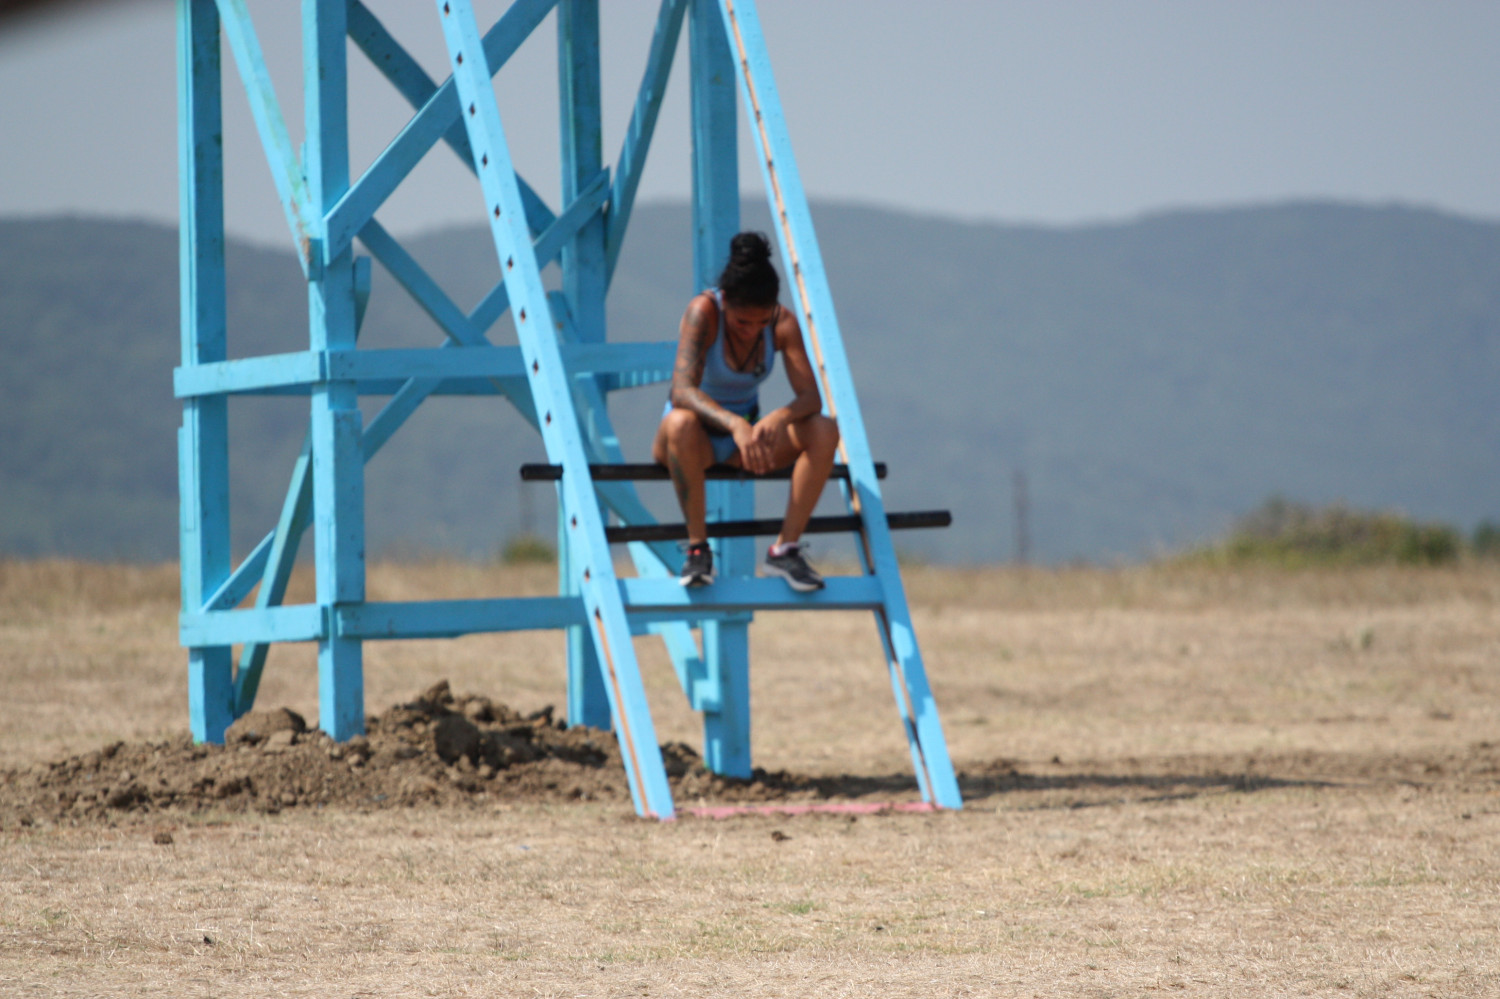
439, 749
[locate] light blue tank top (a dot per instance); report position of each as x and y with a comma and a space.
736, 391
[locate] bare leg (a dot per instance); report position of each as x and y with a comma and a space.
815, 441
682, 445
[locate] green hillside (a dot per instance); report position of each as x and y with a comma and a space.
1152, 379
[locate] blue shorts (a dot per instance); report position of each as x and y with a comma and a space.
722, 443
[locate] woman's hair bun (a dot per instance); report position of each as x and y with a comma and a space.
749, 278
750, 248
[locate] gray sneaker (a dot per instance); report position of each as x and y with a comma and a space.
792, 566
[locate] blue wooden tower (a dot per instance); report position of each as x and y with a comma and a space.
559, 374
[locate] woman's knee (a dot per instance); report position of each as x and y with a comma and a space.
818, 435
682, 433
823, 434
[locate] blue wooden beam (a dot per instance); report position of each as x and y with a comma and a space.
637, 143
286, 171
578, 310
452, 618
666, 599
716, 218
437, 117
597, 585
804, 264
584, 208
203, 440
295, 623
337, 454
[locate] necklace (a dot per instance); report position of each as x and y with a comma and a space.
738, 362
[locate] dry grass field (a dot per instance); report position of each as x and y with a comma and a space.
1179, 781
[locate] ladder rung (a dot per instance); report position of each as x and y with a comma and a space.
751, 528
650, 471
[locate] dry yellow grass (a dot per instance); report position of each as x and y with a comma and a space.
1360, 860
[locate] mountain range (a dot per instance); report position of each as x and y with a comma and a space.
1137, 385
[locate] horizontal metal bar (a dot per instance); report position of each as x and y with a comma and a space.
296, 623
651, 472
451, 618
752, 528
463, 368
666, 599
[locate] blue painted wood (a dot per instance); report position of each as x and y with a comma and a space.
293, 623
203, 445
716, 218
389, 368
233, 591
664, 599
286, 171
582, 298
598, 586
247, 374
452, 618
437, 117
651, 560
337, 455
296, 510
548, 245
637, 142
793, 223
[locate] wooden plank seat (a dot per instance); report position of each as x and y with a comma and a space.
650, 471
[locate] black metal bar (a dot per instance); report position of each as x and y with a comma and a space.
650, 471
750, 528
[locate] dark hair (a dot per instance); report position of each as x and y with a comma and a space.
749, 278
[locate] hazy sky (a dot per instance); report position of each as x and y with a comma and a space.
1048, 111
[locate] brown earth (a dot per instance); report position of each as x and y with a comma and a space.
1190, 781
437, 750
446, 750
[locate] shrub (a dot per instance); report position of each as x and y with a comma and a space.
1284, 532
1486, 541
528, 549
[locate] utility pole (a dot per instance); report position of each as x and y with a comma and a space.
1023, 519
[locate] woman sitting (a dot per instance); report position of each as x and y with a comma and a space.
727, 346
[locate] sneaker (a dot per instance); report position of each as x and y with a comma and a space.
791, 566
698, 567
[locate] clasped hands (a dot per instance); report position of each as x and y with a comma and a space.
757, 442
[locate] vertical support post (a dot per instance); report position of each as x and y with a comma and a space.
338, 461
716, 218
803, 264
203, 440
554, 398
583, 279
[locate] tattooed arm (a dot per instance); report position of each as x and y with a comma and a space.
806, 399
700, 328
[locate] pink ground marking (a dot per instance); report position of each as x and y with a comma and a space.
824, 808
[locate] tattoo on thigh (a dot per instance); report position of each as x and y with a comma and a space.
679, 481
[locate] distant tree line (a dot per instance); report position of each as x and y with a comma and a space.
1292, 534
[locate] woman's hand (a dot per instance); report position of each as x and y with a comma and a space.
755, 445
765, 435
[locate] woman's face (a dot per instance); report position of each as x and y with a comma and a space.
745, 321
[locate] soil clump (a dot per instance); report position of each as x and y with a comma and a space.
438, 750
443, 750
